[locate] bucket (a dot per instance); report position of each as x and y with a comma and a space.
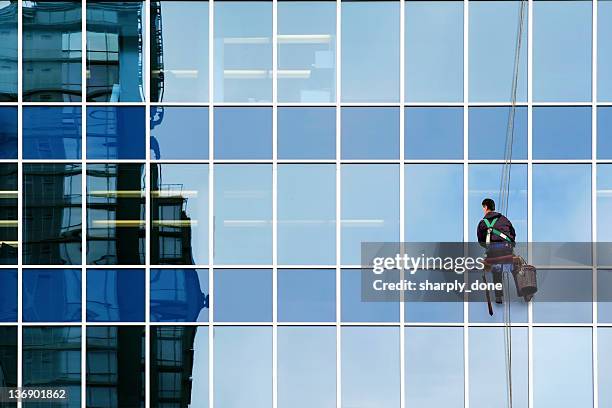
525, 279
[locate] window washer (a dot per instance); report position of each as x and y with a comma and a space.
497, 235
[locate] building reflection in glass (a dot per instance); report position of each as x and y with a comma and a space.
115, 214
8, 360
52, 295
52, 51
115, 295
8, 131
8, 213
52, 132
52, 359
179, 366
115, 366
115, 59
8, 295
52, 214
179, 295
8, 51
179, 210
115, 132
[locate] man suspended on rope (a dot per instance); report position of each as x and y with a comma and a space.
497, 235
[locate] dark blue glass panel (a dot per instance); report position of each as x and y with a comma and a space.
115, 295
604, 132
487, 133
8, 295
8, 132
8, 51
562, 132
306, 133
243, 133
243, 295
52, 132
179, 295
8, 214
179, 133
433, 133
307, 295
355, 310
52, 295
8, 360
370, 133
115, 132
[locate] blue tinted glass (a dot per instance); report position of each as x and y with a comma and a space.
306, 214
52, 295
115, 132
370, 51
487, 132
8, 295
416, 310
604, 202
562, 132
493, 32
179, 295
243, 367
604, 132
560, 282
243, 214
562, 367
178, 74
115, 295
243, 295
433, 133
370, 133
8, 52
307, 295
52, 51
306, 133
604, 291
306, 51
355, 310
116, 32
562, 50
8, 132
179, 133
434, 68
52, 132
8, 213
243, 133
604, 52
243, 51
179, 211
306, 367
370, 366
604, 357
562, 192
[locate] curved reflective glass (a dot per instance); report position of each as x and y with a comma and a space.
52, 132
179, 295
8, 51
370, 133
52, 295
8, 132
488, 131
8, 295
115, 132
243, 295
561, 132
433, 133
115, 295
307, 295
243, 133
8, 213
306, 133
179, 133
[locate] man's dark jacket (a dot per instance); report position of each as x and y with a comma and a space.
497, 252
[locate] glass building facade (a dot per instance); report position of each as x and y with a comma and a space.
185, 187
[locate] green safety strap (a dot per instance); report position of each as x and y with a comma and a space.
497, 232
490, 224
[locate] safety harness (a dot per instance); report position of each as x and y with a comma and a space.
490, 230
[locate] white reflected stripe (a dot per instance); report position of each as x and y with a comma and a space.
362, 223
304, 38
174, 193
8, 223
8, 194
120, 223
175, 223
117, 193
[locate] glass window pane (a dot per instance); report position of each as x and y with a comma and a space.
115, 295
493, 34
445, 365
8, 358
243, 133
243, 51
178, 74
52, 295
179, 133
307, 295
115, 58
306, 214
243, 214
370, 369
604, 132
115, 132
562, 50
51, 51
604, 51
370, 133
8, 131
306, 367
8, 295
356, 310
243, 361
8, 51
604, 202
51, 132
434, 68
179, 295
52, 224
562, 367
604, 356
306, 133
179, 213
488, 128
418, 310
370, 51
243, 295
306, 51
562, 132
368, 217
433, 133
565, 296
115, 214
8, 214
